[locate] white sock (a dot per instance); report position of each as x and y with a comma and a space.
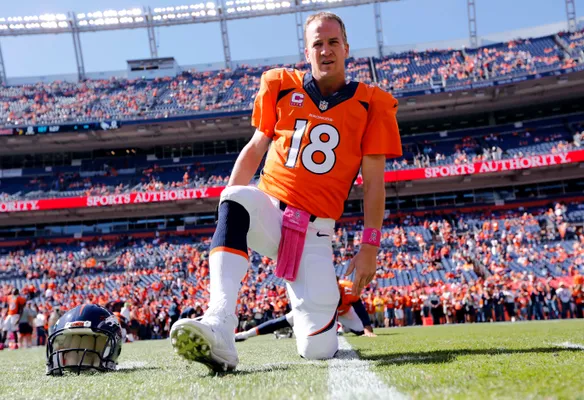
243, 335
226, 270
251, 333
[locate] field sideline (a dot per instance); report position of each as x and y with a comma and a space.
479, 361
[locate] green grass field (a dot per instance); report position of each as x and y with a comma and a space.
523, 360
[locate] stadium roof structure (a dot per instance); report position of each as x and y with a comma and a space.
149, 18
211, 11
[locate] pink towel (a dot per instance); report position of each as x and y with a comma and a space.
294, 227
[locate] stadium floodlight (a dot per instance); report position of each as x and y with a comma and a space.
110, 17
185, 13
257, 6
53, 17
48, 22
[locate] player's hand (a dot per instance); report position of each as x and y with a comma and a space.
365, 265
368, 332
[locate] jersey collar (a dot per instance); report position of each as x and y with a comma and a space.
326, 103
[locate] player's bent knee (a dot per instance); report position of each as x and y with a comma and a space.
244, 195
233, 222
318, 347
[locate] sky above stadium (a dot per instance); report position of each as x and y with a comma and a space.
404, 22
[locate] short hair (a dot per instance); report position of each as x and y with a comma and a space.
326, 15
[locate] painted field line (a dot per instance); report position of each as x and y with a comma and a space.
132, 365
352, 378
570, 345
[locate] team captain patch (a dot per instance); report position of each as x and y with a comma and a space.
297, 99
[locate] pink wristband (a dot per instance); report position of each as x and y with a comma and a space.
371, 236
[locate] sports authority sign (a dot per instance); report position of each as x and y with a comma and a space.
484, 167
109, 200
443, 171
497, 166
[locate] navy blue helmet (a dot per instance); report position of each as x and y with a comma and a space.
86, 337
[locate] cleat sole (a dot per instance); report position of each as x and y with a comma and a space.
190, 344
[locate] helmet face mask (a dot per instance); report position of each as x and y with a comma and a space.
86, 338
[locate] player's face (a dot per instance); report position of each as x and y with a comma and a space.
325, 49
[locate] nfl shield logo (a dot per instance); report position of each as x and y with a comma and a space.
323, 105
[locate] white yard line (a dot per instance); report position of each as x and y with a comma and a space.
132, 365
351, 378
569, 345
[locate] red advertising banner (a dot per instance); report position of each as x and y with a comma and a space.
484, 167
443, 171
109, 200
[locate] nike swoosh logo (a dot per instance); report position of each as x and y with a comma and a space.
321, 234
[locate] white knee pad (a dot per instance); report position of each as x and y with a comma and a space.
247, 196
265, 218
316, 333
321, 347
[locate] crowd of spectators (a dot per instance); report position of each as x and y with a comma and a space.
424, 70
496, 269
481, 267
192, 91
490, 147
574, 40
107, 181
104, 179
120, 99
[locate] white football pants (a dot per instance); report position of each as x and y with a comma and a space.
351, 321
314, 296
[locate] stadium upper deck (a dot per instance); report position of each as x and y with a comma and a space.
112, 175
193, 92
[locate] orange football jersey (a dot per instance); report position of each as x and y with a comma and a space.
16, 305
319, 142
347, 296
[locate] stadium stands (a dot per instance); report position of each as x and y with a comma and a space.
193, 92
136, 174
575, 41
465, 259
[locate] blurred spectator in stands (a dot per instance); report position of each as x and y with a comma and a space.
39, 326
174, 311
26, 326
565, 296
53, 318
577, 139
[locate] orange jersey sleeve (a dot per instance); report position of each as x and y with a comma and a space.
264, 115
382, 133
347, 296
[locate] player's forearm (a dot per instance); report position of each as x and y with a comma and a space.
374, 191
249, 160
245, 167
374, 206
